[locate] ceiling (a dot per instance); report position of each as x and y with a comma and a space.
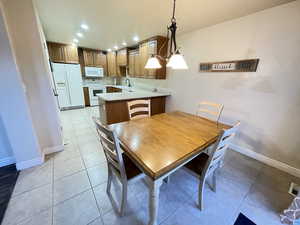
113, 21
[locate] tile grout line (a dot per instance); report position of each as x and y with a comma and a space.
98, 207
248, 192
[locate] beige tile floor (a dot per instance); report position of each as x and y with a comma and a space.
69, 189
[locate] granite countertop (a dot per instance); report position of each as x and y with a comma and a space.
131, 93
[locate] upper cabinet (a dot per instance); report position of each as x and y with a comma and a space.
111, 64
88, 57
100, 59
62, 53
138, 58
131, 59
122, 57
92, 58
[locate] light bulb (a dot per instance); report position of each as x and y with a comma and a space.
152, 63
177, 62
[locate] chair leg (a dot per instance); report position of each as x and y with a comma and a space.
124, 198
109, 179
200, 193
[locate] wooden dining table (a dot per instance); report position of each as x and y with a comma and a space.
161, 144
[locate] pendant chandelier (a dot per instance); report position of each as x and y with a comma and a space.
174, 59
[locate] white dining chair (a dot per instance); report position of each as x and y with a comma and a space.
210, 110
139, 109
118, 163
204, 165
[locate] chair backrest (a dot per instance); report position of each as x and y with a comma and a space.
138, 109
111, 147
220, 147
210, 110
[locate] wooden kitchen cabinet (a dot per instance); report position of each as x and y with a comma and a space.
92, 58
111, 64
62, 53
137, 59
144, 56
122, 57
100, 60
117, 111
88, 57
134, 67
56, 52
71, 54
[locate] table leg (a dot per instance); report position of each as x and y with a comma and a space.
154, 186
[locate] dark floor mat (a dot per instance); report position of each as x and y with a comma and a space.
243, 220
8, 178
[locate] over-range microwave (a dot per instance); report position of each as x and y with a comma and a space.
94, 72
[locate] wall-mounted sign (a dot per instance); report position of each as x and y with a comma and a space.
248, 65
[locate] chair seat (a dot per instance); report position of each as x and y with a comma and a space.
197, 164
130, 168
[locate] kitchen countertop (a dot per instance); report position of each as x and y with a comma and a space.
131, 93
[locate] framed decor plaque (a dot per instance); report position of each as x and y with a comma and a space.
247, 65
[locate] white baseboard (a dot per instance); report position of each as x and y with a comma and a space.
7, 161
30, 163
54, 149
264, 159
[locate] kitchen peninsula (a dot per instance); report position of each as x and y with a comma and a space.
113, 104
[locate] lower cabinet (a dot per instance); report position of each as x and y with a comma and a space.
117, 111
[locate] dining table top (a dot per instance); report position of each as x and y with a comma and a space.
162, 142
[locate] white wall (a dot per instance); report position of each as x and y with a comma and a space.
28, 44
6, 153
267, 102
17, 134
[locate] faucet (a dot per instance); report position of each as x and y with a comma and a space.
127, 81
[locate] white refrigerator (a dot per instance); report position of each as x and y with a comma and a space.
68, 83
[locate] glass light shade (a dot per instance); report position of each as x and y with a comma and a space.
152, 63
177, 62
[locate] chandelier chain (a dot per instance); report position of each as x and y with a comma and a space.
174, 6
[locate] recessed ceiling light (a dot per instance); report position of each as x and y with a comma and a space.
84, 26
116, 47
79, 34
109, 50
136, 38
75, 40
124, 43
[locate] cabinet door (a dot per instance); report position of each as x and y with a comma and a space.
143, 59
75, 85
111, 61
122, 57
137, 65
97, 58
131, 59
152, 50
56, 52
61, 84
100, 60
71, 54
88, 57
